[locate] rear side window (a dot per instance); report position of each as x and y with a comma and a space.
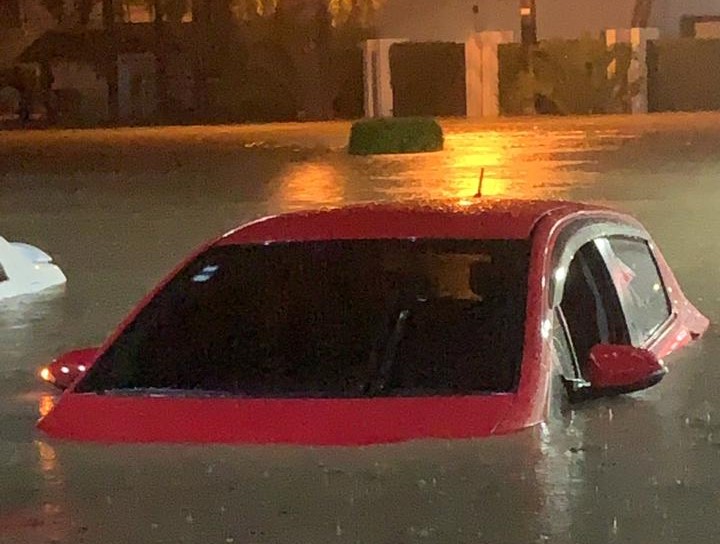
3, 275
640, 287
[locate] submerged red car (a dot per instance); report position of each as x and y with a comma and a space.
383, 323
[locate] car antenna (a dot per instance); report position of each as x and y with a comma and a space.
480, 184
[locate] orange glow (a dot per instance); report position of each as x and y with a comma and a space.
488, 151
521, 165
45, 374
48, 457
310, 184
47, 402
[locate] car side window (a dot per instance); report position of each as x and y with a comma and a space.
639, 285
3, 275
590, 305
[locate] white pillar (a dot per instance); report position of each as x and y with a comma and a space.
482, 73
638, 69
377, 75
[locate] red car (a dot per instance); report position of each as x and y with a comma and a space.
383, 323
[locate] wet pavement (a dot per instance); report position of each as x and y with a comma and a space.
118, 209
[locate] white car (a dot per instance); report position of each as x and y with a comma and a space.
25, 269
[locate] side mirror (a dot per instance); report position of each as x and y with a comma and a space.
614, 370
64, 370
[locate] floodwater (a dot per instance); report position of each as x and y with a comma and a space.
118, 209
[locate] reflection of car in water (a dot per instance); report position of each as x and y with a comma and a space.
25, 269
383, 323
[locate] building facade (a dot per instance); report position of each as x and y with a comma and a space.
66, 59
455, 20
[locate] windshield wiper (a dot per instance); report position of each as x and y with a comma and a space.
396, 336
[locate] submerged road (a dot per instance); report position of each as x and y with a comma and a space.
118, 208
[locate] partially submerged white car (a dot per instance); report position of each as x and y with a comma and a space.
25, 269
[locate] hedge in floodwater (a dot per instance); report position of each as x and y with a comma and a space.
395, 135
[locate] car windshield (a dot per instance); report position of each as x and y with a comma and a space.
340, 318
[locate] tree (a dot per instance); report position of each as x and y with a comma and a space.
306, 44
641, 13
83, 9
56, 8
167, 12
341, 12
111, 67
172, 11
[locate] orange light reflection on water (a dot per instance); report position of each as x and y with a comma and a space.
47, 457
309, 184
45, 404
524, 165
467, 157
56, 523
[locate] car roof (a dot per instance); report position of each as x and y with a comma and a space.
470, 219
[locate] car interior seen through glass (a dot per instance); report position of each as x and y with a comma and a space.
590, 304
340, 318
640, 287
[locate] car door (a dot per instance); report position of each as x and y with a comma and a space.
612, 286
660, 317
589, 313
603, 280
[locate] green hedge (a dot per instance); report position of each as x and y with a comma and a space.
395, 135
